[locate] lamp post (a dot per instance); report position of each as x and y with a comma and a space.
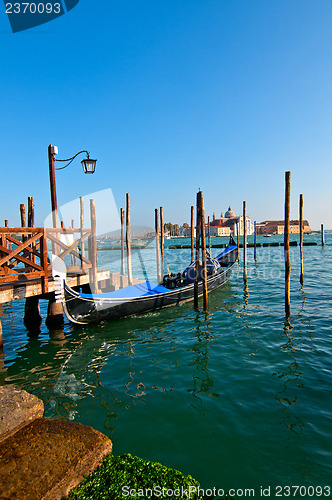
88, 165
55, 310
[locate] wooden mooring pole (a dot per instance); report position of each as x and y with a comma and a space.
32, 317
209, 235
244, 233
54, 203
82, 230
192, 234
156, 225
204, 271
237, 233
198, 225
23, 219
255, 240
93, 250
162, 246
128, 240
301, 238
322, 234
1, 339
123, 270
286, 243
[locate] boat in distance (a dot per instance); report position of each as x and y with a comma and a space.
148, 296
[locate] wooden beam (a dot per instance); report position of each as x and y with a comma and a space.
28, 288
204, 270
93, 256
156, 225
192, 234
286, 243
301, 238
198, 226
244, 233
128, 240
162, 246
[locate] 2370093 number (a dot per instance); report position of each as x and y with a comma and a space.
303, 491
33, 8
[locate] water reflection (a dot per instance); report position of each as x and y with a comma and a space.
202, 380
291, 379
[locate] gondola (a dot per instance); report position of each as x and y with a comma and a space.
82, 308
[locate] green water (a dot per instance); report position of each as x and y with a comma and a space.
238, 397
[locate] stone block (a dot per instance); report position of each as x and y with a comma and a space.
17, 409
47, 458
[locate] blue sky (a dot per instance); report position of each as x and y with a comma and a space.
172, 96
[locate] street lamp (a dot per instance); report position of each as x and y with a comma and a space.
88, 165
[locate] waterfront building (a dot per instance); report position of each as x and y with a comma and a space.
229, 220
278, 226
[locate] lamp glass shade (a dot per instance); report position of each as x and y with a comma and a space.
88, 165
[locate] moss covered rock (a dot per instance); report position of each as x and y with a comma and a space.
131, 477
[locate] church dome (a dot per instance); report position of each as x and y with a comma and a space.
229, 214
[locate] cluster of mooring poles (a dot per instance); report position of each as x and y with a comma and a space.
286, 243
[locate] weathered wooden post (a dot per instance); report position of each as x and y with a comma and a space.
162, 241
73, 258
209, 235
156, 225
93, 255
23, 219
198, 229
255, 240
1, 240
31, 211
322, 234
123, 270
192, 234
204, 270
1, 339
32, 317
128, 240
286, 243
82, 253
237, 234
244, 233
54, 203
301, 239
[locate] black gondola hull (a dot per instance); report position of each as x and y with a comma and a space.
93, 310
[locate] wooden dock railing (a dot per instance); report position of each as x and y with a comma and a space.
23, 252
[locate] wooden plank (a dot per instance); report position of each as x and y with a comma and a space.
29, 288
21, 230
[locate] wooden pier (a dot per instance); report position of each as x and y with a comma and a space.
26, 269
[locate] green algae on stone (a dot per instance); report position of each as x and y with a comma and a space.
131, 477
